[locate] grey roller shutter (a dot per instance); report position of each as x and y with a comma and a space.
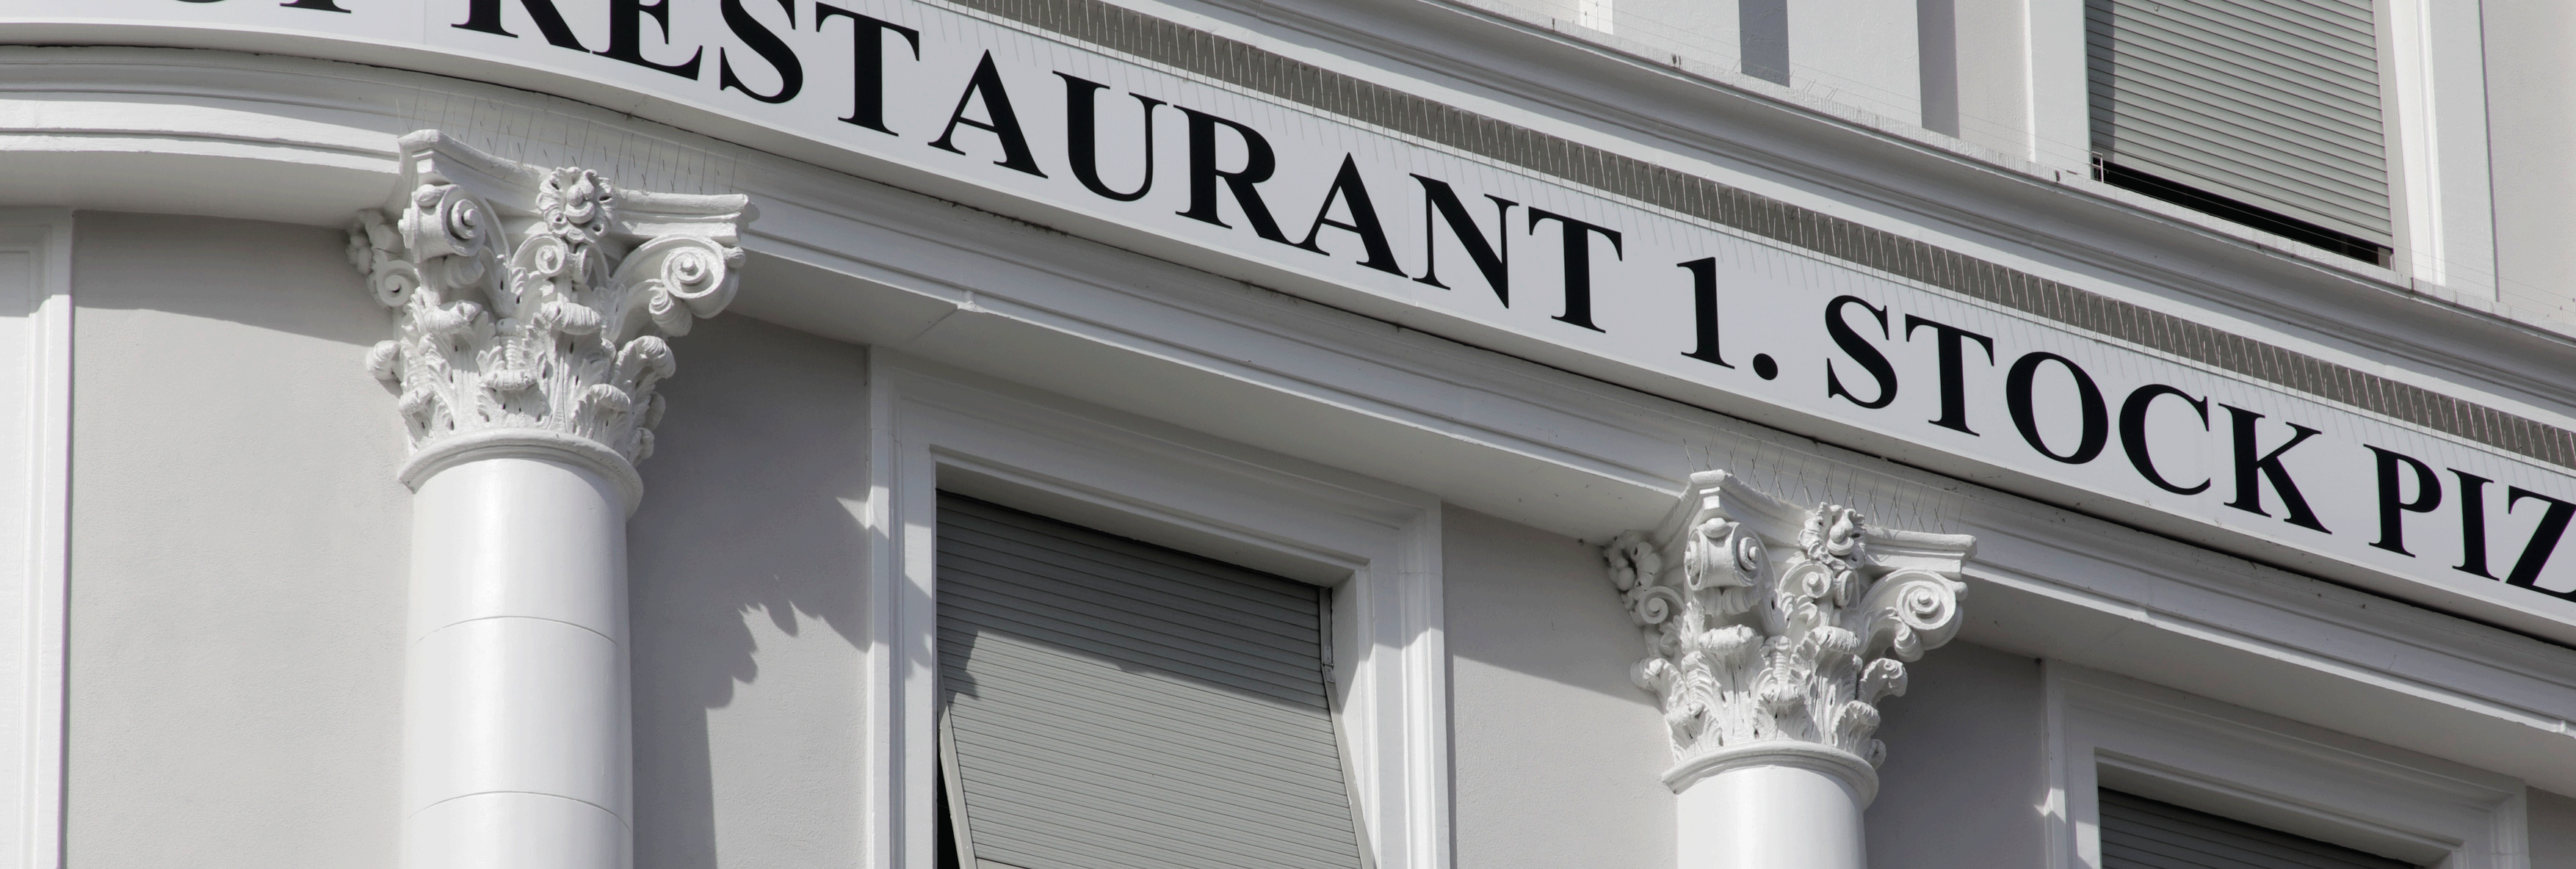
1113, 705
2274, 103
2140, 833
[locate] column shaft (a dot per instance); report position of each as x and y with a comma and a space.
516, 721
1766, 816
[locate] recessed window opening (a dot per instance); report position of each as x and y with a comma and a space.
2248, 214
2267, 113
2140, 833
1110, 704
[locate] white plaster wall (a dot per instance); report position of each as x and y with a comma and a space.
1558, 758
2552, 820
1965, 773
238, 552
2531, 129
1860, 53
746, 570
1990, 42
1709, 31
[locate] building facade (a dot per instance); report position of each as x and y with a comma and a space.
1412, 434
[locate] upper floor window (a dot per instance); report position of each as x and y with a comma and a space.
1109, 704
2264, 112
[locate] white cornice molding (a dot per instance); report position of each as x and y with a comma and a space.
863, 261
1764, 658
1854, 171
1889, 173
533, 305
2097, 236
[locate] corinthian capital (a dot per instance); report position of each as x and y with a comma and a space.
1773, 630
532, 305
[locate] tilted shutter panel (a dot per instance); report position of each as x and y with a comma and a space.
1114, 705
2274, 103
2140, 833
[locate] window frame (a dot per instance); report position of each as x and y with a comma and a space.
2163, 744
1374, 546
37, 513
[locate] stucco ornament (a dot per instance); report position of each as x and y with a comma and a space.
1773, 629
533, 305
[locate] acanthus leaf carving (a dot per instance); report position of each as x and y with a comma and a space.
534, 304
1747, 649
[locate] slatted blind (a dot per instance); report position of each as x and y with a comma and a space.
2274, 103
2140, 833
1114, 705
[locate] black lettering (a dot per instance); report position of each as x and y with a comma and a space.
867, 63
1354, 196
1082, 139
763, 42
2133, 433
986, 84
316, 5
1578, 263
1861, 351
484, 16
1493, 260
2473, 524
2544, 540
2252, 470
1704, 310
1258, 162
2393, 505
626, 36
1947, 339
2018, 398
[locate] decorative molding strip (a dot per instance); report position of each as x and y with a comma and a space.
1752, 655
532, 304
1137, 34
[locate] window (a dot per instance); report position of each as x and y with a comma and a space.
1369, 548
2263, 112
2140, 833
1108, 704
2135, 768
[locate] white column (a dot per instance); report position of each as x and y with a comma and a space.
531, 306
1770, 670
1772, 809
515, 744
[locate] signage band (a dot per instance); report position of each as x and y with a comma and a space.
1498, 227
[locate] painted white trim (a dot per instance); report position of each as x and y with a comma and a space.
2106, 730
2436, 102
2060, 123
35, 403
1377, 546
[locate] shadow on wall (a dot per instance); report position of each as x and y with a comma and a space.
237, 551
204, 267
1558, 757
745, 565
1965, 776
1538, 605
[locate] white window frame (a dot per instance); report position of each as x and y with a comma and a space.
1375, 546
2433, 108
2163, 744
35, 504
